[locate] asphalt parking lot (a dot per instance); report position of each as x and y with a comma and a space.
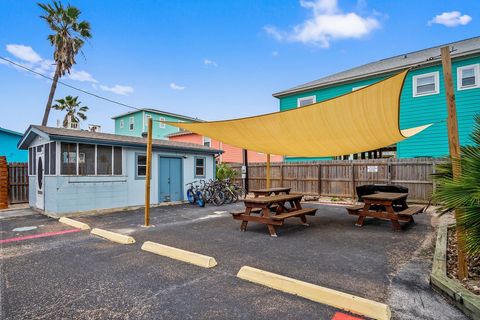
73, 275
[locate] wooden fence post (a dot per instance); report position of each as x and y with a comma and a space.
353, 180
319, 180
281, 174
3, 183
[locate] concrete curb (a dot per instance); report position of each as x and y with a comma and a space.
316, 293
74, 223
113, 236
463, 299
179, 254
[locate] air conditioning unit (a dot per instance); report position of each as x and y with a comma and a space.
94, 128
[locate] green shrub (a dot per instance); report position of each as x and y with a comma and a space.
224, 171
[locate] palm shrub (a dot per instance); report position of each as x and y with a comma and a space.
224, 171
464, 192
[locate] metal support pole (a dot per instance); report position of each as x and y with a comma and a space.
148, 173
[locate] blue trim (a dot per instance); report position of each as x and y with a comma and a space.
181, 175
195, 167
11, 132
136, 166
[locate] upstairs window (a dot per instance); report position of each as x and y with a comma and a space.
131, 123
199, 167
207, 142
305, 101
426, 84
161, 122
468, 77
121, 124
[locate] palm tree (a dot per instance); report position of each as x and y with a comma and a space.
68, 38
464, 192
74, 112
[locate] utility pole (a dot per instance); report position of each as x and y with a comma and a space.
454, 146
148, 173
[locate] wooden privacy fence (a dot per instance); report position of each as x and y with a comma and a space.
339, 178
17, 182
3, 183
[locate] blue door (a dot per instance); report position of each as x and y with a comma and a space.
170, 179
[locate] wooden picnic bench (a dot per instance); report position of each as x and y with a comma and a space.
263, 206
270, 191
389, 206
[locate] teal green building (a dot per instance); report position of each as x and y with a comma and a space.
8, 146
135, 123
422, 99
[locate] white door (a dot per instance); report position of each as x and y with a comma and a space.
40, 166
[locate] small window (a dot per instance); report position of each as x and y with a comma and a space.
425, 84
199, 167
207, 142
161, 123
53, 158
117, 160
86, 159
305, 101
121, 124
104, 160
69, 158
141, 163
131, 123
468, 77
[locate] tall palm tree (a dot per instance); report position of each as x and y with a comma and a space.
74, 112
464, 192
68, 38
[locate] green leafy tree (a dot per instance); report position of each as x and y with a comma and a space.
68, 37
224, 171
464, 192
72, 109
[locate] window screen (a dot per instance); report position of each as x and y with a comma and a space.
53, 158
86, 159
68, 158
117, 160
47, 158
104, 160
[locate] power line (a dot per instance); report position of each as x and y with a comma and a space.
70, 86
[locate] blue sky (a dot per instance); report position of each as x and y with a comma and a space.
213, 59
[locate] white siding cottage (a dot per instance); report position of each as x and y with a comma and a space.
75, 171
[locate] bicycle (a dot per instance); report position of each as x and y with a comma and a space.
194, 195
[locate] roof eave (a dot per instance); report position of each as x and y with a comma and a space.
284, 93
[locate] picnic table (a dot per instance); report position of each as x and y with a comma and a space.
387, 206
276, 217
270, 191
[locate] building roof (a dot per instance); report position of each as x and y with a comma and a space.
159, 112
63, 134
11, 132
422, 57
180, 133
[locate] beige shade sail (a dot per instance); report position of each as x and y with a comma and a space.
363, 120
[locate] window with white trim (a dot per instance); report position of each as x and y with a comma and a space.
141, 165
131, 123
121, 123
207, 142
199, 167
305, 101
426, 84
161, 122
468, 77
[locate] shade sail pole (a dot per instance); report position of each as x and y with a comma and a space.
268, 170
148, 173
454, 144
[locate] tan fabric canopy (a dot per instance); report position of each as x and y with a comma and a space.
363, 120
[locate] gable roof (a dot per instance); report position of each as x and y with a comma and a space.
11, 132
62, 134
180, 133
422, 57
158, 112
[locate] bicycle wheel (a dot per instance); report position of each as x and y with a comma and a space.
218, 198
191, 196
200, 200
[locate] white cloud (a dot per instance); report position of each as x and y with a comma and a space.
327, 23
118, 89
210, 62
175, 86
451, 19
275, 53
25, 53
82, 76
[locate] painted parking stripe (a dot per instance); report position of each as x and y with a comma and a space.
343, 316
41, 235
